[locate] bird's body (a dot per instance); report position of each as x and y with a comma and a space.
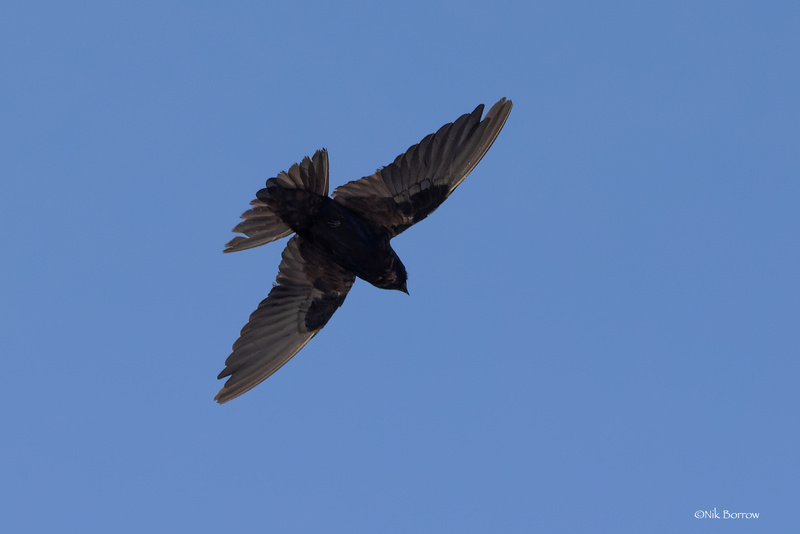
338, 239
343, 236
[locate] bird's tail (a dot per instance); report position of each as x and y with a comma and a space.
261, 224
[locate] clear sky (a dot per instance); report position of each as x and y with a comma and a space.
602, 327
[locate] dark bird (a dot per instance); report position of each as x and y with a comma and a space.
340, 238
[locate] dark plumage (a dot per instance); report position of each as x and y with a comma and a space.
338, 239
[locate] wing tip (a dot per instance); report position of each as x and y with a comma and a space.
235, 386
501, 109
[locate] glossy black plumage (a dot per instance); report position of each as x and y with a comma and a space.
338, 239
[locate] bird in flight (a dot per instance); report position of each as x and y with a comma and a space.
339, 238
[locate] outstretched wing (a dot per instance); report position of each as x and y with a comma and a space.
308, 291
261, 225
411, 188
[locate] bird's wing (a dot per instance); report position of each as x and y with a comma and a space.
261, 225
408, 190
309, 289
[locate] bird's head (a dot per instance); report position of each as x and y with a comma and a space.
395, 277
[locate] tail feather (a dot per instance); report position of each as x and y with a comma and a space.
261, 225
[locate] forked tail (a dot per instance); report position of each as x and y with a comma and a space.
261, 225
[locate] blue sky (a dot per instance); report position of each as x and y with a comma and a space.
602, 327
